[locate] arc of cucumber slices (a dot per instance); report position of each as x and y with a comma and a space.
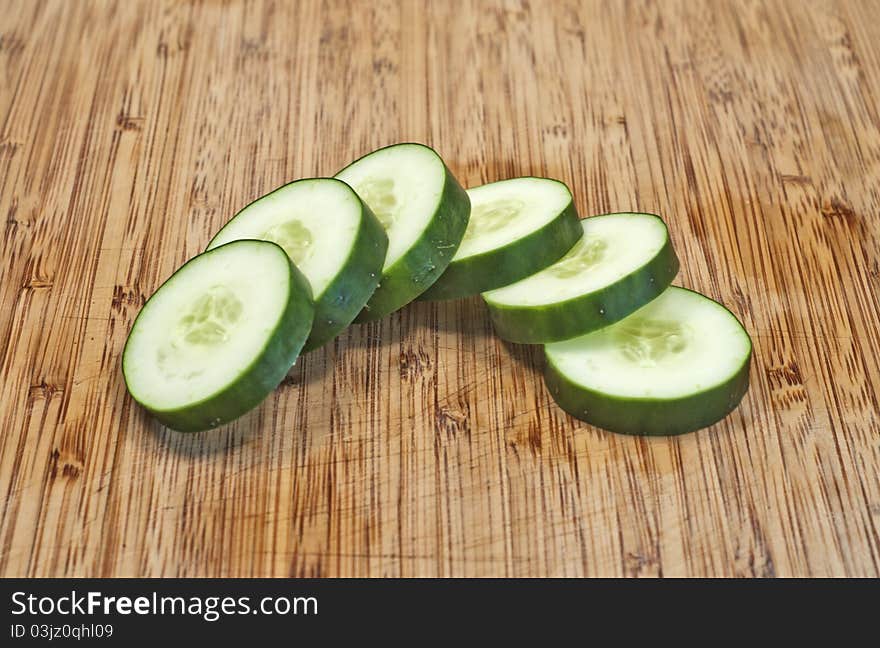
218, 336
624, 350
331, 236
517, 227
424, 211
676, 365
621, 262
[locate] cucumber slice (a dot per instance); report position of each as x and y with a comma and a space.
517, 228
218, 336
330, 235
425, 212
621, 262
678, 364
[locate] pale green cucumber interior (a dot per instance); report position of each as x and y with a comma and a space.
206, 324
403, 185
315, 221
503, 212
679, 344
612, 246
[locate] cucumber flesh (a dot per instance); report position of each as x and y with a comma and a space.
330, 235
621, 262
424, 211
676, 365
218, 336
517, 228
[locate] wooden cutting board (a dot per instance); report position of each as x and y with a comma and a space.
422, 445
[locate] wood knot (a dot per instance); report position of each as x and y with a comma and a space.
252, 49
789, 178
8, 148
43, 391
126, 122
838, 208
557, 130
786, 384
383, 64
37, 282
11, 44
413, 364
331, 38
754, 562
12, 219
528, 438
451, 422
637, 563
64, 465
123, 297
166, 49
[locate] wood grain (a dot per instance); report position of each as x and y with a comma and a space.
421, 445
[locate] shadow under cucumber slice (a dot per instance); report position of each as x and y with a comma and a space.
621, 263
517, 227
218, 336
330, 235
424, 211
678, 364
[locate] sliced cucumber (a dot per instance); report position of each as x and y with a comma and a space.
621, 262
423, 209
218, 336
330, 235
678, 364
517, 227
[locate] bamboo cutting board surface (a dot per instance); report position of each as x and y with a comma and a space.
422, 445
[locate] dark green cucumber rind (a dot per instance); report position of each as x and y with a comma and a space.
649, 416
427, 259
510, 263
585, 313
653, 417
262, 376
354, 284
